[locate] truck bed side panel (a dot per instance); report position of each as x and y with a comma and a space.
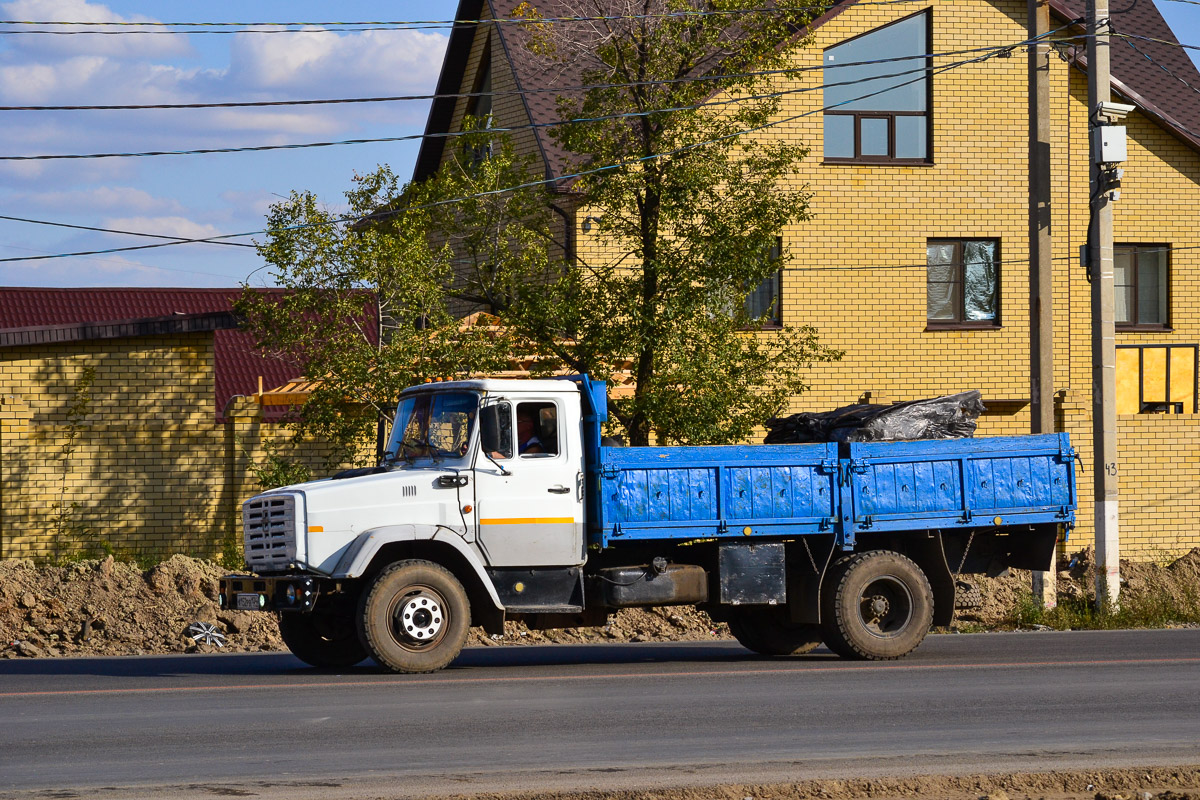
694, 492
960, 483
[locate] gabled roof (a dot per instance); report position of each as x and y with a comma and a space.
1153, 79
30, 316
1140, 80
528, 71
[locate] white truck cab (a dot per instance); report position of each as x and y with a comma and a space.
483, 475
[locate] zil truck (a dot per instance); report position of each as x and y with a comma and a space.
500, 500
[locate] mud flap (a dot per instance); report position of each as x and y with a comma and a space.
808, 561
929, 553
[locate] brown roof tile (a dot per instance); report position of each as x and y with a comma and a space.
237, 363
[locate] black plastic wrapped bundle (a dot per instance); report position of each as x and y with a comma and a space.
950, 417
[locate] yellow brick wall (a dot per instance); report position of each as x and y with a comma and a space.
882, 216
858, 264
151, 471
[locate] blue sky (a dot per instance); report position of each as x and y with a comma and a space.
199, 195
206, 195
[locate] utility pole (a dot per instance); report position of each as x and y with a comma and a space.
1041, 277
1101, 112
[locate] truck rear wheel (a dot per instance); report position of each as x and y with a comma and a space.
876, 605
326, 637
769, 631
415, 617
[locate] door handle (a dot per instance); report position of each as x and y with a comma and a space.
558, 490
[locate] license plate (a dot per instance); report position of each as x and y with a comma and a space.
247, 602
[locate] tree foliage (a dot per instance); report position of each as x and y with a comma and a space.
364, 307
690, 193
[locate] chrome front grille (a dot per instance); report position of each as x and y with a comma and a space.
269, 530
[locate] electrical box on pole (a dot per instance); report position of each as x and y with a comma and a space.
1108, 144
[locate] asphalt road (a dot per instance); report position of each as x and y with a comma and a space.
599, 716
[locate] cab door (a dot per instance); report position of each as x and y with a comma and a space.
529, 494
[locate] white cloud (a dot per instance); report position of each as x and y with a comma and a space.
122, 45
313, 64
345, 65
285, 125
125, 198
163, 226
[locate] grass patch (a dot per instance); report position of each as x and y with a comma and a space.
1155, 608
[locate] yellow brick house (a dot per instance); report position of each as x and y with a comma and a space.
916, 259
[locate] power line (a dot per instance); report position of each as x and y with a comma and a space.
342, 26
178, 239
1163, 67
1156, 41
127, 263
996, 51
872, 267
1126, 37
456, 134
507, 92
988, 53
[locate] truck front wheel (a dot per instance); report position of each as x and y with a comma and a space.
769, 631
325, 637
414, 617
876, 605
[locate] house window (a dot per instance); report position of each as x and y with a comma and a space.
879, 112
963, 283
764, 302
479, 106
1156, 379
1140, 280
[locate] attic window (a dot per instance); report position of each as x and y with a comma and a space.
877, 107
479, 105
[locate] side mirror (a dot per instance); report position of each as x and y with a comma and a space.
489, 428
495, 430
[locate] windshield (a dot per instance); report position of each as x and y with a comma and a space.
433, 425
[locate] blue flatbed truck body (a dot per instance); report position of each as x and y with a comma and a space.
847, 490
862, 547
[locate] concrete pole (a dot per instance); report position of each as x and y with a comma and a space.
1104, 352
1041, 276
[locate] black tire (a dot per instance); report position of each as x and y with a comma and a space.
415, 617
876, 606
767, 630
323, 638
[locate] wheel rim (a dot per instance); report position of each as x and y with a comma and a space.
418, 618
885, 607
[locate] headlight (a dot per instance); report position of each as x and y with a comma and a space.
290, 594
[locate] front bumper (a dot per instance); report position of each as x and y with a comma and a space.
277, 593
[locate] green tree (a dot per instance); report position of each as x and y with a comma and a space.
691, 193
365, 309
500, 238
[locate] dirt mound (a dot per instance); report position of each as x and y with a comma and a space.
1146, 587
1153, 783
113, 608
